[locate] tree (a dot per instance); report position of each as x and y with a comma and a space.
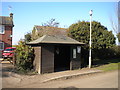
118, 36
28, 37
115, 22
24, 56
51, 23
101, 37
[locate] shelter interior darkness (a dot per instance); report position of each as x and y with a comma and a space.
61, 58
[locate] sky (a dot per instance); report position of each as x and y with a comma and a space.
28, 14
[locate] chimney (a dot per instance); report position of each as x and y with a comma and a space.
11, 15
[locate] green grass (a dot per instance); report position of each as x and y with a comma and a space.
14, 45
109, 67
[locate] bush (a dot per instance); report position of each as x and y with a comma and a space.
116, 50
100, 55
118, 36
108, 53
101, 37
24, 56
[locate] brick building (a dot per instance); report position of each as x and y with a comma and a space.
6, 28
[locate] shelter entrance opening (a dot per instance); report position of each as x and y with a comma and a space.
61, 58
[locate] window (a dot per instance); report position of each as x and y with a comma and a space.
74, 53
1, 45
2, 29
9, 49
78, 49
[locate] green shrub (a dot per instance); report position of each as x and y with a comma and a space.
100, 55
118, 36
116, 50
24, 56
108, 53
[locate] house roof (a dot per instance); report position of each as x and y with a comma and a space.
54, 39
6, 20
50, 30
47, 27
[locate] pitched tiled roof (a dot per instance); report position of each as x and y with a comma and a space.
6, 20
48, 29
54, 39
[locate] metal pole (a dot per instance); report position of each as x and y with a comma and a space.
90, 39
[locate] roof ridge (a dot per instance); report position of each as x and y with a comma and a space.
43, 37
4, 20
49, 27
5, 16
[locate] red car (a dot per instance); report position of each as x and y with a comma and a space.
8, 52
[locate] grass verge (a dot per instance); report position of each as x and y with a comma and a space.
110, 66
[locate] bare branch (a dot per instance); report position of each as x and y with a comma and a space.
51, 23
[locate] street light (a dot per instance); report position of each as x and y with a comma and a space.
90, 38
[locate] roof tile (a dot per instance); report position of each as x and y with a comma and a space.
6, 20
55, 39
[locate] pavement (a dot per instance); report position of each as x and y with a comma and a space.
1, 58
43, 78
5, 61
70, 74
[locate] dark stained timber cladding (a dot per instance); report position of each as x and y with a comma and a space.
75, 63
37, 59
47, 63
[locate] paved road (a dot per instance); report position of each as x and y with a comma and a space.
101, 80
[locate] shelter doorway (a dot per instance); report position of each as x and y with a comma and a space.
61, 58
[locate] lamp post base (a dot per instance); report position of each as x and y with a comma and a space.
89, 62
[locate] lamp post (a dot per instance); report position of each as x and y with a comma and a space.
90, 38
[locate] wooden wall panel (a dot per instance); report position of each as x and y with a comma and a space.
47, 63
37, 60
75, 63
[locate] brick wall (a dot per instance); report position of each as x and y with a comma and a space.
0, 54
6, 38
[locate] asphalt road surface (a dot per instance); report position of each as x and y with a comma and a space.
102, 80
98, 80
